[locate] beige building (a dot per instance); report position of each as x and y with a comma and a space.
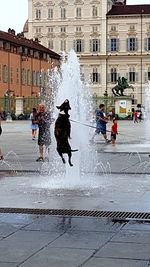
111, 38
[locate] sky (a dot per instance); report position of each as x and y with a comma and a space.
14, 13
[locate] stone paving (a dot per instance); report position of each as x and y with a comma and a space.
44, 241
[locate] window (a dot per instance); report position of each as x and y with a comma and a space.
79, 45
113, 75
95, 45
50, 44
63, 45
38, 29
23, 77
147, 44
37, 78
28, 77
33, 78
63, 13
17, 75
11, 75
132, 27
95, 76
5, 73
94, 29
132, 44
38, 14
63, 29
78, 29
132, 74
114, 44
94, 12
50, 29
50, 13
148, 73
78, 12
113, 28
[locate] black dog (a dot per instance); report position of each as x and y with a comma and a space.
62, 132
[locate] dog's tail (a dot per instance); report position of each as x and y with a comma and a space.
74, 150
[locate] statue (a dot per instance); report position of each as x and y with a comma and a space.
118, 90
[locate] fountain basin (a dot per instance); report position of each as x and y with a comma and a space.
119, 192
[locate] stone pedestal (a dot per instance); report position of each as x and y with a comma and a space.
19, 105
123, 105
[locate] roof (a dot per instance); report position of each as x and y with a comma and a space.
20, 40
129, 10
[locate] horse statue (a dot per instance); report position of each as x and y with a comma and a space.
118, 90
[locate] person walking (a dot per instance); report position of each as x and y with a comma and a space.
34, 126
114, 131
43, 119
101, 121
135, 116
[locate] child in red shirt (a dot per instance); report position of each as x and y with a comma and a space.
114, 131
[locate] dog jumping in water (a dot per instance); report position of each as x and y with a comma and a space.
62, 132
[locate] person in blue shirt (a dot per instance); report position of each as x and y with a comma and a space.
101, 121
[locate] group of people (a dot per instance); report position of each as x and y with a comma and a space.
101, 122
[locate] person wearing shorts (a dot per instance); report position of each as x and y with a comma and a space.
114, 131
101, 121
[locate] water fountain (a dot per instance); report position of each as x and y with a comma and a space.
89, 184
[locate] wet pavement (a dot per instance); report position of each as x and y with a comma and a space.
119, 181
43, 241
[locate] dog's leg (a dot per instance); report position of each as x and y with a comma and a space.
69, 158
61, 155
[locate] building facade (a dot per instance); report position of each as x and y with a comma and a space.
23, 67
111, 38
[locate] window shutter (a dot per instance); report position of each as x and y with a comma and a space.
82, 45
145, 44
146, 77
108, 77
90, 45
99, 45
127, 75
99, 78
108, 45
118, 75
74, 45
128, 44
117, 44
136, 44
136, 76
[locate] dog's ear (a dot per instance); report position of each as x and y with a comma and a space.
57, 107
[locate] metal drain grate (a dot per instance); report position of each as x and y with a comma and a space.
117, 215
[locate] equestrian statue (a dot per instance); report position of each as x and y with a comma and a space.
118, 90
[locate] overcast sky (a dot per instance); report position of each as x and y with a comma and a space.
13, 13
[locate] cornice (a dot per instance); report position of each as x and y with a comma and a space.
63, 3
79, 34
50, 3
63, 35
78, 2
95, 34
95, 2
38, 4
